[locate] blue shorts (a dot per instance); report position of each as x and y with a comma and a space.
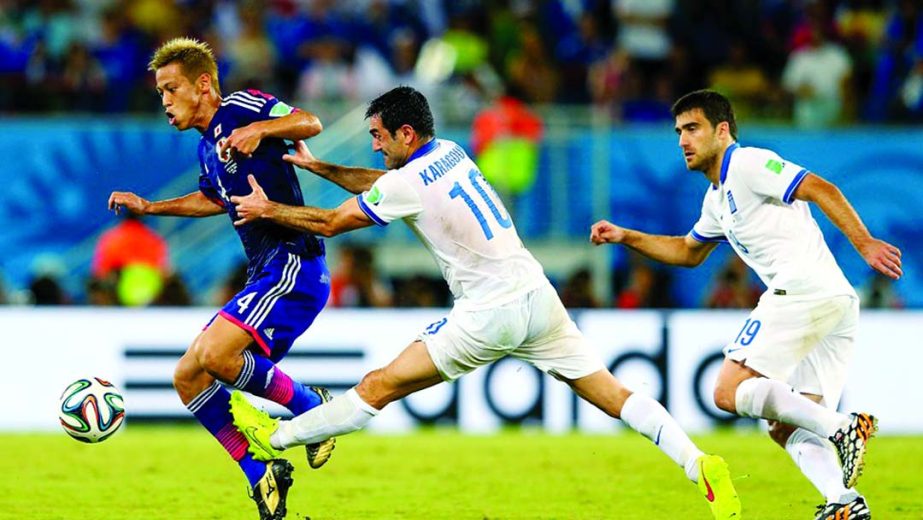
280, 302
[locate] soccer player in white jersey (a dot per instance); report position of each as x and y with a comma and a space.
504, 304
793, 350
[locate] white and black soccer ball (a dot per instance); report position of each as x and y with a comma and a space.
91, 409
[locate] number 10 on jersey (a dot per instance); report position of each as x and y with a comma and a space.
458, 191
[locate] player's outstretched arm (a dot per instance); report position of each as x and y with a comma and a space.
353, 180
880, 255
294, 127
317, 221
194, 204
683, 251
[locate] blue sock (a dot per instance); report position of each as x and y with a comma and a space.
212, 408
261, 377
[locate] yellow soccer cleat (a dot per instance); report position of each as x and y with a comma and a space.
715, 483
256, 425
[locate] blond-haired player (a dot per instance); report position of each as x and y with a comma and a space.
243, 133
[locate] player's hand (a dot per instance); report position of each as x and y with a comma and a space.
303, 157
242, 141
882, 257
128, 201
253, 206
604, 232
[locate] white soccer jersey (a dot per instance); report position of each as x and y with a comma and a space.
448, 204
754, 209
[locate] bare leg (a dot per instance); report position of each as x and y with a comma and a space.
412, 370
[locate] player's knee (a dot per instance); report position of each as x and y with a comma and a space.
185, 376
726, 397
780, 432
213, 360
373, 389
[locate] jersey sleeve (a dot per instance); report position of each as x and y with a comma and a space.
707, 229
390, 198
208, 189
768, 175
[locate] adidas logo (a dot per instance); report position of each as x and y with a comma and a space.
269, 332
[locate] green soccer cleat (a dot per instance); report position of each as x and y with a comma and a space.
270, 492
319, 452
851, 443
256, 425
715, 483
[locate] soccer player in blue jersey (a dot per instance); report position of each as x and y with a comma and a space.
504, 304
288, 282
788, 363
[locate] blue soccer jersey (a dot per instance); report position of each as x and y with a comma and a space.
287, 278
223, 177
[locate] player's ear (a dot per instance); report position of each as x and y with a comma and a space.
204, 82
723, 129
408, 134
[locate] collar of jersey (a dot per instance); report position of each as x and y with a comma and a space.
430, 145
727, 161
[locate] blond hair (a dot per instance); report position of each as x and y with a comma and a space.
195, 57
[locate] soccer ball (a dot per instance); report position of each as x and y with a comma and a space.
91, 409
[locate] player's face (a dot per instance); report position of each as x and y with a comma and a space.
698, 139
179, 96
394, 147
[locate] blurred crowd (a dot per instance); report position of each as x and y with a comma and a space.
131, 268
817, 62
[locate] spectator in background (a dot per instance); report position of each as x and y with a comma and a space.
505, 138
356, 282
743, 82
45, 289
817, 76
531, 70
3, 298
174, 293
421, 291
879, 293
136, 257
639, 293
576, 53
637, 285
733, 288
607, 82
901, 47
578, 290
252, 54
233, 284
83, 80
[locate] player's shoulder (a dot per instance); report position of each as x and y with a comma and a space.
751, 157
250, 99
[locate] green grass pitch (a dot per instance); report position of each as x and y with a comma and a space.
179, 472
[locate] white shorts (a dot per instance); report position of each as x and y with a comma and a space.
807, 344
535, 328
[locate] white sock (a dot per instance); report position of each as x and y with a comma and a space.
763, 398
343, 414
649, 418
816, 458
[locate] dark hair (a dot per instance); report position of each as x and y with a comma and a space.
403, 106
716, 107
